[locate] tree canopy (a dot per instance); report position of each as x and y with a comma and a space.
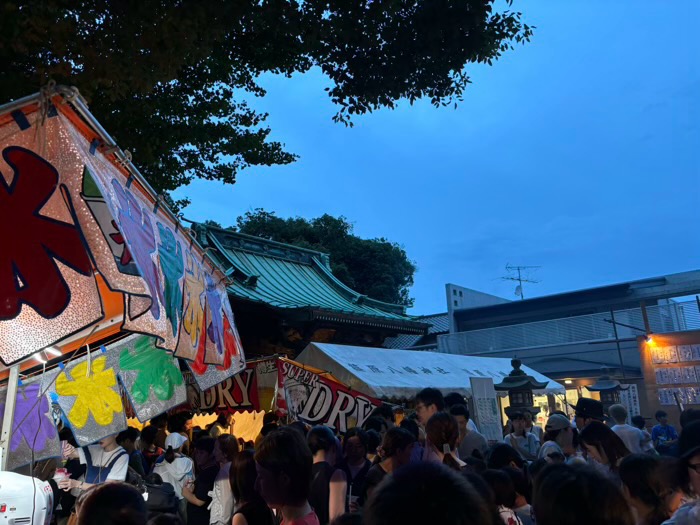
377, 268
169, 79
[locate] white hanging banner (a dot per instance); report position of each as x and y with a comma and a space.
630, 400
486, 413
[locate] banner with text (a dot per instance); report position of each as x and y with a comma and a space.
246, 391
314, 399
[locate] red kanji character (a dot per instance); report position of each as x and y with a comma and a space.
32, 242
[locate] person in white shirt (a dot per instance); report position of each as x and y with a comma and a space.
558, 439
104, 462
176, 469
221, 506
632, 437
530, 426
647, 443
526, 443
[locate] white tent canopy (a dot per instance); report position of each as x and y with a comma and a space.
401, 374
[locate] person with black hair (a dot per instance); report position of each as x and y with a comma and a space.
687, 416
429, 402
454, 399
523, 494
374, 440
689, 454
396, 453
161, 496
113, 504
532, 427
502, 455
504, 491
181, 423
160, 422
484, 490
645, 489
222, 425
151, 452
418, 448
471, 442
385, 412
328, 491
198, 494
436, 494
251, 508
441, 444
578, 495
284, 463
221, 508
604, 448
271, 418
300, 427
106, 461
265, 430
378, 424
526, 443
176, 469
664, 435
129, 439
356, 466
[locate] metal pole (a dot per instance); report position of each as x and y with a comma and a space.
617, 342
647, 327
8, 417
520, 282
19, 103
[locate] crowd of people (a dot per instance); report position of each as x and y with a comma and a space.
430, 467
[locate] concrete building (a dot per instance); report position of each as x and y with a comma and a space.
571, 337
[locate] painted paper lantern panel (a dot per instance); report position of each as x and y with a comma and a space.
155, 245
34, 436
193, 336
151, 376
88, 394
207, 376
48, 289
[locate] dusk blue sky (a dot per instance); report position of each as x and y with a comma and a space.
579, 153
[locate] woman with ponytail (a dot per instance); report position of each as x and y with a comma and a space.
442, 433
176, 469
396, 452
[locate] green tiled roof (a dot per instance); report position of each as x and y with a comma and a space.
287, 277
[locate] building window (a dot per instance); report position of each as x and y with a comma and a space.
455, 302
454, 292
460, 293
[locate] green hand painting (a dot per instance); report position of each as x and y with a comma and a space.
156, 370
171, 261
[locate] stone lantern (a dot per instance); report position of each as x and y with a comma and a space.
519, 386
609, 390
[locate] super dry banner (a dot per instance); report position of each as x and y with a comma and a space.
251, 389
314, 399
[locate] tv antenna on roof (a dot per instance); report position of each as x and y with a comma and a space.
520, 279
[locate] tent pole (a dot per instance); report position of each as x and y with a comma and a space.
19, 103
8, 417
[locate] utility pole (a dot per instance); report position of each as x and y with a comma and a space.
520, 279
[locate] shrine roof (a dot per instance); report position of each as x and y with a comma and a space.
289, 277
